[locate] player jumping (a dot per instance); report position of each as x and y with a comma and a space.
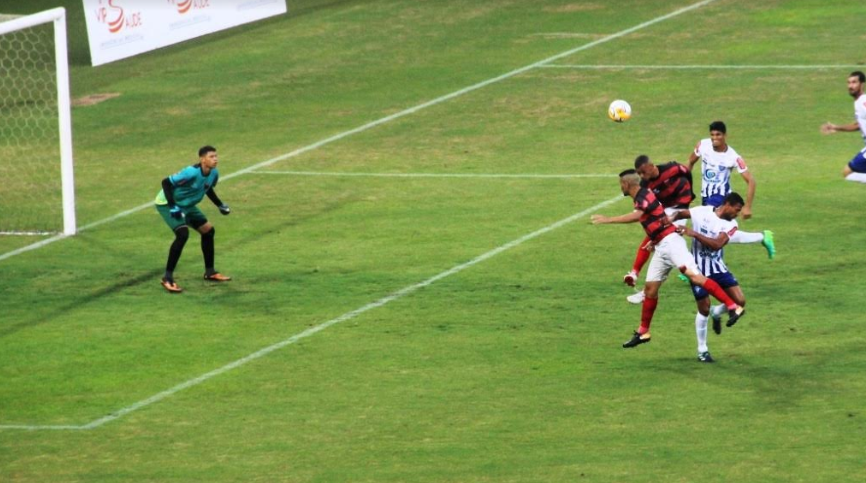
718, 160
712, 228
669, 251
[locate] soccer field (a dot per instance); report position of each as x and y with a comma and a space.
418, 293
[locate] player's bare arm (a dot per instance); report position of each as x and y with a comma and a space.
693, 158
830, 128
627, 218
750, 194
712, 243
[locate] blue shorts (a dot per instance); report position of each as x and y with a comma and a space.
858, 164
725, 280
714, 201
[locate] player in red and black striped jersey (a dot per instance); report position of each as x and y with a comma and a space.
653, 218
670, 251
671, 183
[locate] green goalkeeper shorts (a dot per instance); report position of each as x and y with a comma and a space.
191, 217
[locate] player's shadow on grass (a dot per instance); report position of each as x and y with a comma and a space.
776, 386
153, 275
78, 302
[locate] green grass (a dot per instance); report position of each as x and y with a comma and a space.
508, 371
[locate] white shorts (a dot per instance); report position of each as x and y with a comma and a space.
671, 252
672, 211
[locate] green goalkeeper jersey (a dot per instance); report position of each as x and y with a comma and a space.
190, 186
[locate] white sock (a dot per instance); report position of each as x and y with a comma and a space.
858, 177
718, 310
701, 331
747, 237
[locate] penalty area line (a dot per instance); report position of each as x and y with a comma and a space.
318, 328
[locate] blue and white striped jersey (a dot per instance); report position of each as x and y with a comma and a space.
707, 223
716, 168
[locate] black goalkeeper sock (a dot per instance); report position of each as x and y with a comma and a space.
181, 235
207, 249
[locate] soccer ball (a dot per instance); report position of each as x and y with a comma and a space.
619, 111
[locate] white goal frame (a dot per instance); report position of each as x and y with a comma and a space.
57, 16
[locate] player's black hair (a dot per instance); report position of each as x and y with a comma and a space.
641, 160
718, 126
859, 74
627, 172
734, 198
206, 149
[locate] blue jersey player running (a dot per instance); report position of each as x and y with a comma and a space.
176, 203
718, 162
712, 228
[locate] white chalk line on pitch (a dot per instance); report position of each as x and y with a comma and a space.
318, 328
384, 120
433, 175
697, 67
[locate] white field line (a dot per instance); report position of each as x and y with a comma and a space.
318, 328
697, 67
392, 117
435, 175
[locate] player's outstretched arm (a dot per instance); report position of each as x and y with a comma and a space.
628, 218
224, 208
830, 128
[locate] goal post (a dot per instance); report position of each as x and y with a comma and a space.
36, 126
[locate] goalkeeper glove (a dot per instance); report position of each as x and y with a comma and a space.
176, 212
224, 209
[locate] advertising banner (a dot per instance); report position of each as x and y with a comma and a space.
118, 29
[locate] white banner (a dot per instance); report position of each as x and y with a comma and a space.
118, 29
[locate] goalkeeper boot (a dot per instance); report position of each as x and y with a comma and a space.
734, 315
636, 340
216, 277
170, 286
769, 244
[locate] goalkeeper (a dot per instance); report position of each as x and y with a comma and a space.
176, 203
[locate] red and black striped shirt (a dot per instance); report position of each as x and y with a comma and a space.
673, 186
653, 219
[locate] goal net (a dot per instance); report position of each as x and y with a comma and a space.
36, 182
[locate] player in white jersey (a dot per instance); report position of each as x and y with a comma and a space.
718, 161
712, 228
856, 168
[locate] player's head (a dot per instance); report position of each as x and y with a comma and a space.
731, 207
718, 133
856, 80
645, 168
207, 156
628, 180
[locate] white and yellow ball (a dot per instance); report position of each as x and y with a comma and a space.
619, 111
